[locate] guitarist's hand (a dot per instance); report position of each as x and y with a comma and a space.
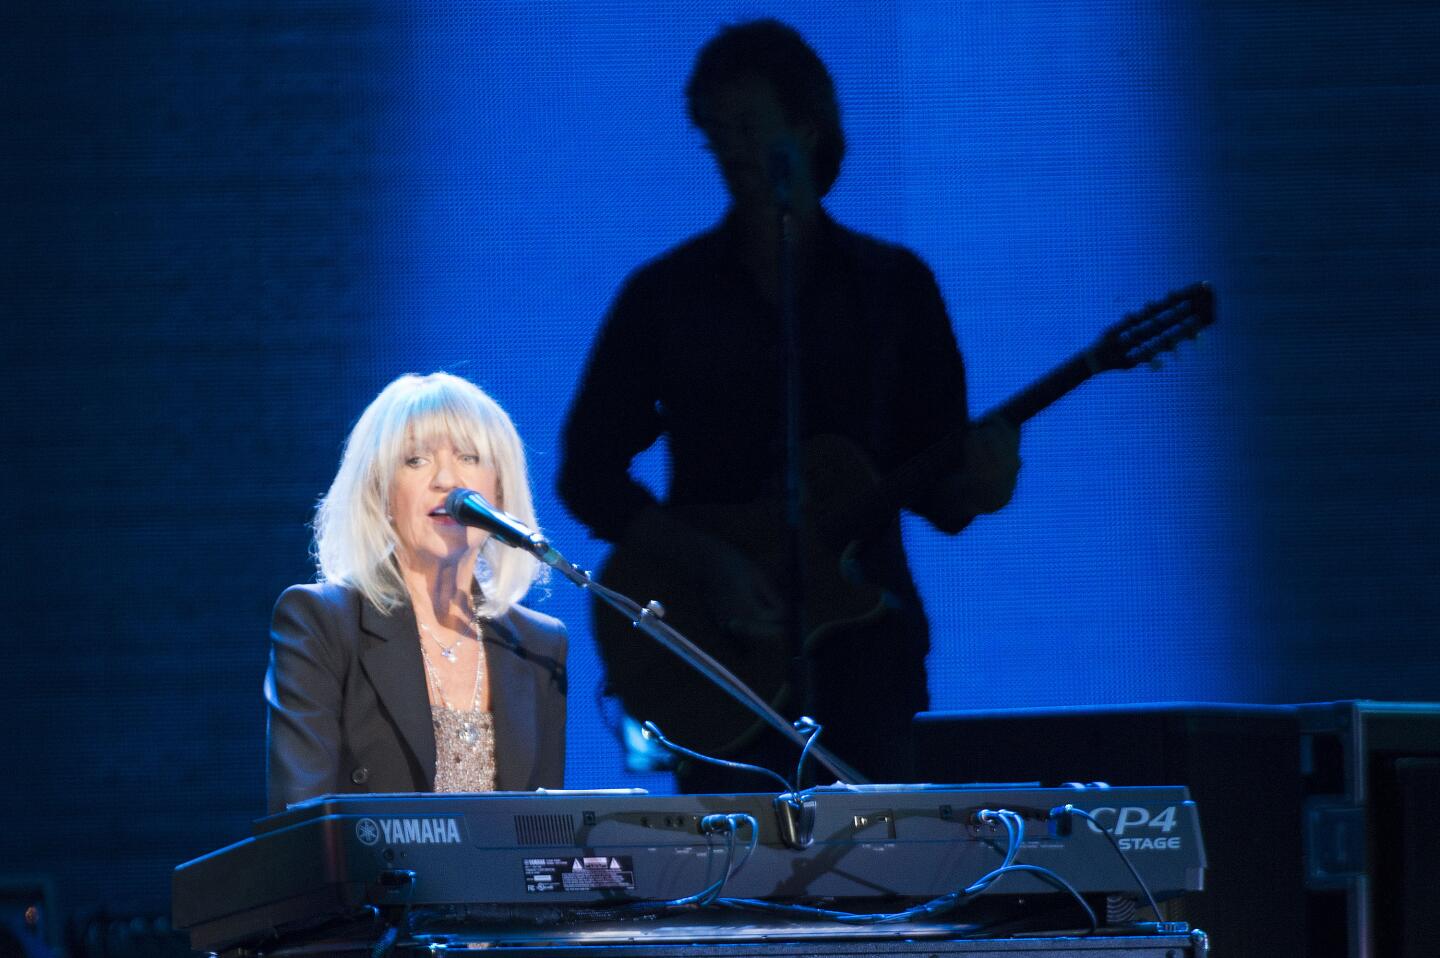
992, 465
735, 589
986, 481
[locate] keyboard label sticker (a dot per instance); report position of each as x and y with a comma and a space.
580, 873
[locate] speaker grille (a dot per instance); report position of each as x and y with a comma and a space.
545, 829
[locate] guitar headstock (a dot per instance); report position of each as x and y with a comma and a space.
1155, 328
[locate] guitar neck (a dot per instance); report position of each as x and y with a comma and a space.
902, 484
1138, 337
1044, 391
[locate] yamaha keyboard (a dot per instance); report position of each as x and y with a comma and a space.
563, 858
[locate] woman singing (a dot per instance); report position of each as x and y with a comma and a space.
410, 667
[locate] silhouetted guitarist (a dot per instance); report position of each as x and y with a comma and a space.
692, 349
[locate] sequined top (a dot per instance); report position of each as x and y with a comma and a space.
464, 750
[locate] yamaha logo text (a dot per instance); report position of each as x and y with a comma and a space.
408, 831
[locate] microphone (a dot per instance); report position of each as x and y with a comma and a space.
469, 508
780, 165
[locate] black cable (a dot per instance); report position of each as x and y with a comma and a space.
391, 934
934, 906
1014, 829
1055, 877
1072, 810
652, 731
815, 729
385, 942
710, 825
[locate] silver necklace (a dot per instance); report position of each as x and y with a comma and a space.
469, 731
446, 650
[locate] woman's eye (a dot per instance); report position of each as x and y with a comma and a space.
469, 458
415, 462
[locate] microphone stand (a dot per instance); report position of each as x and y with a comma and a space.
649, 619
782, 173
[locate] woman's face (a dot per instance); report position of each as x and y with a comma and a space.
423, 479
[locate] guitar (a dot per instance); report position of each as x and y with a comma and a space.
845, 502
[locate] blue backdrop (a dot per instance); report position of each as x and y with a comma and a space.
228, 225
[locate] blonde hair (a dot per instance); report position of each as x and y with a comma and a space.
355, 538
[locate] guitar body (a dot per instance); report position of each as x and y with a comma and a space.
653, 685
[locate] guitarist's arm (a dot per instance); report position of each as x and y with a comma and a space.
983, 483
929, 401
613, 418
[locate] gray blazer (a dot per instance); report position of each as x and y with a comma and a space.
349, 710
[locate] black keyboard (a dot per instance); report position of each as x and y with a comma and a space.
530, 857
